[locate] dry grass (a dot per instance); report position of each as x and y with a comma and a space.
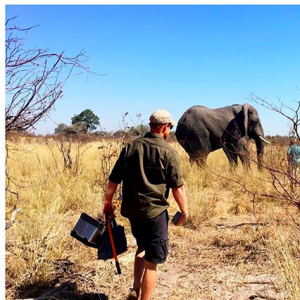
233, 230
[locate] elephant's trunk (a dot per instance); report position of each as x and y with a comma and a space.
260, 147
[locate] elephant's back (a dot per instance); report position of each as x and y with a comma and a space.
201, 122
197, 109
200, 110
208, 116
194, 113
188, 124
198, 115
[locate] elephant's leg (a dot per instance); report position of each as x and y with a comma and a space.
200, 159
231, 155
244, 155
197, 150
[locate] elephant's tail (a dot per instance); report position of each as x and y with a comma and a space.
185, 145
182, 136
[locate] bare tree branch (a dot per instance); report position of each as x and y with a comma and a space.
34, 79
283, 110
285, 184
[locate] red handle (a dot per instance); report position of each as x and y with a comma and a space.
112, 241
113, 247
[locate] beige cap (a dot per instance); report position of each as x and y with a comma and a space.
161, 116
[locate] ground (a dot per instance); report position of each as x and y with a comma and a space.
213, 262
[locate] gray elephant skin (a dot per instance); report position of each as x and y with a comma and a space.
202, 130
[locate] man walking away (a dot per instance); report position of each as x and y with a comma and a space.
293, 157
149, 168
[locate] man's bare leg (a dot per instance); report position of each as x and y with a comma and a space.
138, 269
149, 280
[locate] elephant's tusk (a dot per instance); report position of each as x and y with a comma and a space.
264, 140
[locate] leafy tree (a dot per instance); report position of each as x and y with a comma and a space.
139, 130
142, 129
86, 118
65, 129
60, 128
132, 131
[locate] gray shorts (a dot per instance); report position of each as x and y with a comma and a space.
153, 237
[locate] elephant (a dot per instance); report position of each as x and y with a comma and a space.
202, 130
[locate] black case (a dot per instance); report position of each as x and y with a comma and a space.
88, 230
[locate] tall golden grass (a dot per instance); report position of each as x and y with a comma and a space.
51, 198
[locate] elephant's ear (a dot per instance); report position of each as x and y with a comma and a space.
246, 107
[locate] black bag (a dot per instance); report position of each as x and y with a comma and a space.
104, 246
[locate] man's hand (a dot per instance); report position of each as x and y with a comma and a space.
182, 219
180, 198
108, 210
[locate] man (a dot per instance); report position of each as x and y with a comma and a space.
293, 157
148, 168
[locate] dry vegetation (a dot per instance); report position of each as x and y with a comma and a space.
239, 242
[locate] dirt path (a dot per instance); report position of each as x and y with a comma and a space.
201, 267
222, 260
194, 271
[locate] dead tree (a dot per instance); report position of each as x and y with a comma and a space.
290, 113
34, 81
279, 173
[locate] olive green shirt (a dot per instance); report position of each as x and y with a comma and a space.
148, 167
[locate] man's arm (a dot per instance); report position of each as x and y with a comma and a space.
180, 198
108, 209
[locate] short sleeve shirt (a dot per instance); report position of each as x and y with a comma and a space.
148, 168
294, 153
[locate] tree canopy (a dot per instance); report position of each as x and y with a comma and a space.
87, 118
139, 130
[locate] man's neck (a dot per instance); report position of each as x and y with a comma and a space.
157, 131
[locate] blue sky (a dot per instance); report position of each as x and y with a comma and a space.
171, 57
